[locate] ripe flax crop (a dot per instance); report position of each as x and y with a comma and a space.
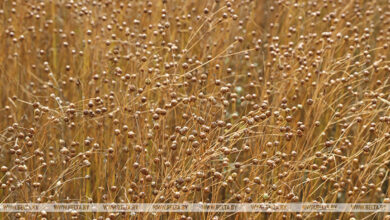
215, 101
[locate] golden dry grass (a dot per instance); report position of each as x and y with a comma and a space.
194, 100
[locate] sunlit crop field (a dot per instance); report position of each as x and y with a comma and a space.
213, 101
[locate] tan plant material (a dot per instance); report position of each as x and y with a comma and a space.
214, 101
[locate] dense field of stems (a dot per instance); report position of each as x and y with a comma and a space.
214, 101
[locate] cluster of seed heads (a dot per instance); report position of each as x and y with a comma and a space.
213, 101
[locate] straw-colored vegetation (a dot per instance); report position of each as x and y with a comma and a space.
194, 100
